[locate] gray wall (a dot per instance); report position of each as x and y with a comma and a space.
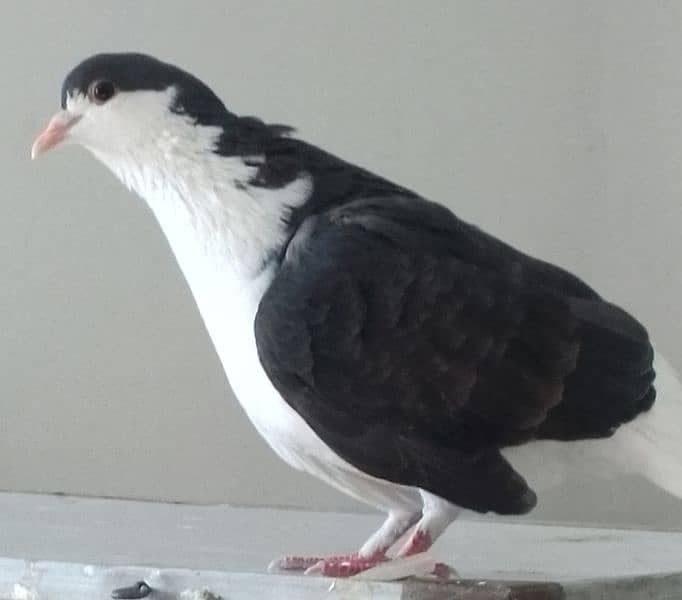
555, 125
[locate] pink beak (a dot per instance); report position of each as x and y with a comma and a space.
55, 132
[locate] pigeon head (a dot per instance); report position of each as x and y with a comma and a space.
114, 104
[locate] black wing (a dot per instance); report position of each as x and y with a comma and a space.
416, 346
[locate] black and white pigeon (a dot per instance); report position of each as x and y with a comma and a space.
374, 339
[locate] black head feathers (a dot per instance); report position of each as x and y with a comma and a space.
129, 72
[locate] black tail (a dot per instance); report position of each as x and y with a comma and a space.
613, 379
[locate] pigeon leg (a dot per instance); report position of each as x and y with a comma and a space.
436, 516
372, 553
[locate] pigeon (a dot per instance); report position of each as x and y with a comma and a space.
374, 339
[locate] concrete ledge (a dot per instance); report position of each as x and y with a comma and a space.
23, 580
81, 549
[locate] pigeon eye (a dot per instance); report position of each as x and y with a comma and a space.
100, 91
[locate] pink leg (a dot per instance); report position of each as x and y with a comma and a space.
345, 566
436, 517
372, 553
437, 514
333, 566
420, 541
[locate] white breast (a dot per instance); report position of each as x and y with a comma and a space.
229, 315
221, 238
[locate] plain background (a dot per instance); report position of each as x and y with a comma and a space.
555, 125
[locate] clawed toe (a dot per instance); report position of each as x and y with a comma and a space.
333, 566
293, 563
345, 567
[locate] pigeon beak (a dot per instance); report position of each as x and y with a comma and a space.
55, 132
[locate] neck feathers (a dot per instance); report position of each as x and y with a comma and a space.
209, 205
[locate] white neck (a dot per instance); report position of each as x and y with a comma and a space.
204, 202
221, 229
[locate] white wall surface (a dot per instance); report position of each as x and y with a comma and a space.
555, 125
